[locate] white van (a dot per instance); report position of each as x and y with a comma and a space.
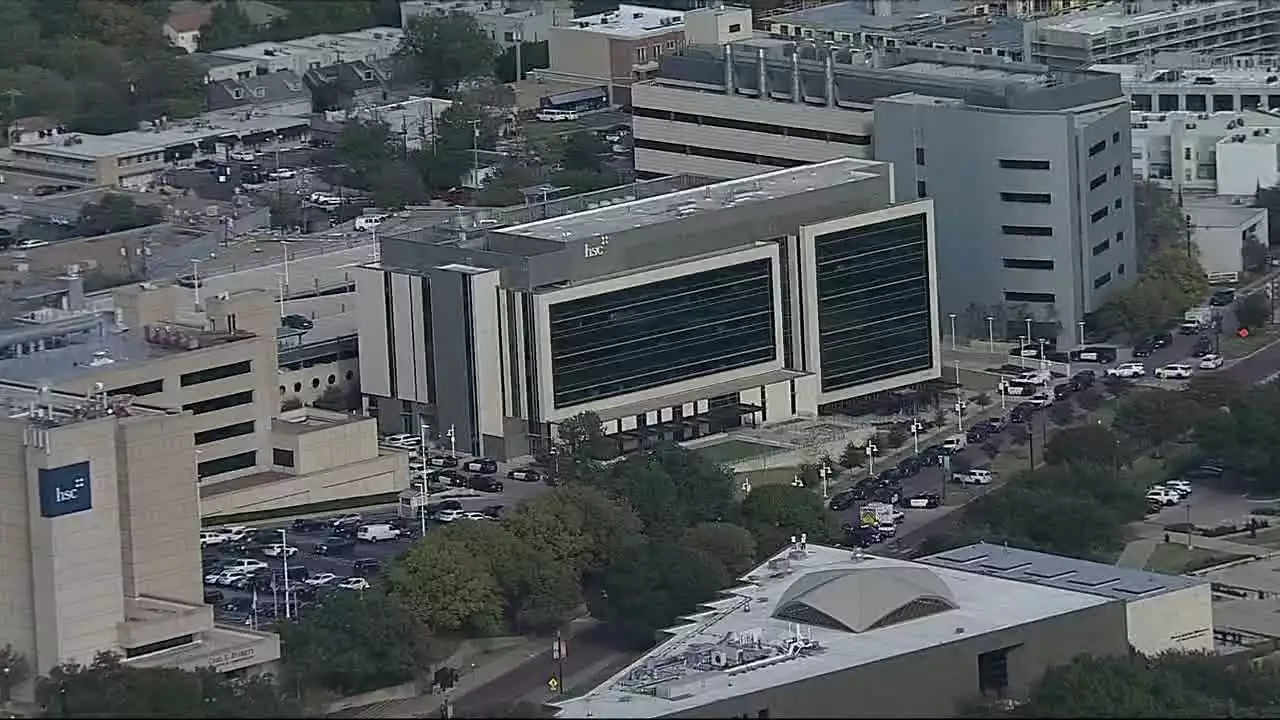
976, 476
955, 443
556, 115
365, 223
377, 533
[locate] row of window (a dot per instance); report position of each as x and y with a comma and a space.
315, 382
736, 124
718, 154
221, 402
215, 373
1106, 244
226, 432
230, 463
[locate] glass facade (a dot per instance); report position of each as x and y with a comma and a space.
662, 332
873, 302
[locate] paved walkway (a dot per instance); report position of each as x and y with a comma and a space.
1153, 534
1137, 554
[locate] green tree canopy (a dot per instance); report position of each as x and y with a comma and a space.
448, 588
651, 583
116, 212
1091, 444
1154, 417
671, 488
1253, 311
108, 688
577, 526
447, 49
397, 184
353, 643
1246, 434
1160, 223
732, 545
774, 513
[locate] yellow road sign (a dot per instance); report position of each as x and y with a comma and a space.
553, 683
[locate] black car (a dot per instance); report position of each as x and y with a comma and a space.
862, 536
297, 322
1063, 391
1144, 348
910, 466
922, 500
213, 597
842, 500
995, 425
484, 466
237, 605
306, 525
887, 494
931, 455
525, 475
335, 545
1204, 346
444, 461
888, 475
1162, 340
1021, 414
366, 567
1084, 379
484, 483
454, 478
1222, 298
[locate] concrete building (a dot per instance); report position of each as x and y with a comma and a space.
673, 309
1175, 82
1121, 33
182, 27
1246, 608
507, 22
303, 54
1030, 170
1163, 613
101, 546
615, 49
1222, 153
941, 25
1221, 228
829, 632
220, 364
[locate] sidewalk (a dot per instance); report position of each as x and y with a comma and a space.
1155, 534
1137, 554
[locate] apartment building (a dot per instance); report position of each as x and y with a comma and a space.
1122, 33
1248, 83
506, 22
1030, 170
1224, 153
672, 308
101, 546
617, 48
220, 364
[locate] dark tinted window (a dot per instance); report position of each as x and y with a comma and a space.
215, 373
1031, 297
222, 433
1027, 230
219, 403
1021, 197
1024, 164
1098, 215
1101, 247
227, 464
151, 387
1097, 147
1021, 264
282, 457
662, 332
1098, 182
731, 155
873, 302
751, 126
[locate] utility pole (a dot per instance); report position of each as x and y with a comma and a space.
475, 151
518, 37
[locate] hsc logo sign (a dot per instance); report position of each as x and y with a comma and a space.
65, 490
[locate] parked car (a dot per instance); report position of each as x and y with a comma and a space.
297, 322
1222, 298
1144, 349
484, 466
923, 501
842, 500
1174, 371
280, 550
1128, 370
1063, 391
1084, 379
351, 519
377, 532
213, 597
444, 461
1164, 496
493, 512
448, 516
976, 476
525, 475
485, 483
335, 545
366, 567
1162, 340
1211, 362
354, 583
1203, 346
210, 538
321, 579
954, 444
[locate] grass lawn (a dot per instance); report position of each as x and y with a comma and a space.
1234, 347
1267, 537
731, 451
1176, 558
772, 476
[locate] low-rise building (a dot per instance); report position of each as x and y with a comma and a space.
1175, 82
1222, 153
278, 93
299, 56
1221, 229
182, 27
506, 22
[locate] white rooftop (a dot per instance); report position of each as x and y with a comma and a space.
1202, 79
813, 611
676, 205
631, 21
183, 132
1114, 16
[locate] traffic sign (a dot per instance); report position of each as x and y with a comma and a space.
1243, 332
554, 684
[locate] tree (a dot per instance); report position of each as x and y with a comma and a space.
114, 213
651, 584
1088, 444
364, 147
1253, 311
671, 489
853, 455
1254, 255
14, 670
1213, 391
1246, 434
286, 210
730, 545
1089, 399
396, 185
774, 513
896, 437
1159, 220
1062, 413
352, 643
108, 688
533, 56
448, 588
582, 151
577, 526
447, 49
227, 28
1155, 417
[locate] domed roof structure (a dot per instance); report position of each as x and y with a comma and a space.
861, 599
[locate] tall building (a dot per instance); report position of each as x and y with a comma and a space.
1125, 33
673, 309
1029, 169
828, 632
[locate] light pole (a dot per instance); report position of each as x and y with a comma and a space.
991, 334
824, 473
957, 366
453, 441
871, 459
195, 281
426, 490
916, 427
284, 246
284, 553
960, 415
1022, 343
555, 461
746, 486
1081, 326
1029, 333
953, 329
1044, 361
1003, 387
280, 288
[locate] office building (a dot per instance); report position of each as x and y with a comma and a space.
828, 632
1168, 84
1223, 153
939, 25
101, 546
617, 48
672, 309
1029, 169
506, 22
221, 365
1122, 33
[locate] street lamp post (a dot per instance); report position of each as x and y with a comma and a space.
195, 281
1022, 343
284, 553
1003, 387
957, 366
1081, 326
453, 441
960, 415
1029, 333
824, 473
991, 334
916, 427
554, 452
953, 329
1044, 361
871, 451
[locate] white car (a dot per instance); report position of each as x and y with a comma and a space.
1174, 370
1128, 370
321, 580
1211, 362
247, 564
1041, 400
1182, 487
1164, 496
354, 583
446, 516
209, 538
474, 515
280, 550
282, 174
236, 533
243, 155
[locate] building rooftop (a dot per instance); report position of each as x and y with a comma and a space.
631, 21
1217, 211
853, 16
1260, 575
1015, 75
810, 611
1114, 16
1202, 79
1055, 571
208, 126
986, 32
673, 206
305, 420
45, 407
